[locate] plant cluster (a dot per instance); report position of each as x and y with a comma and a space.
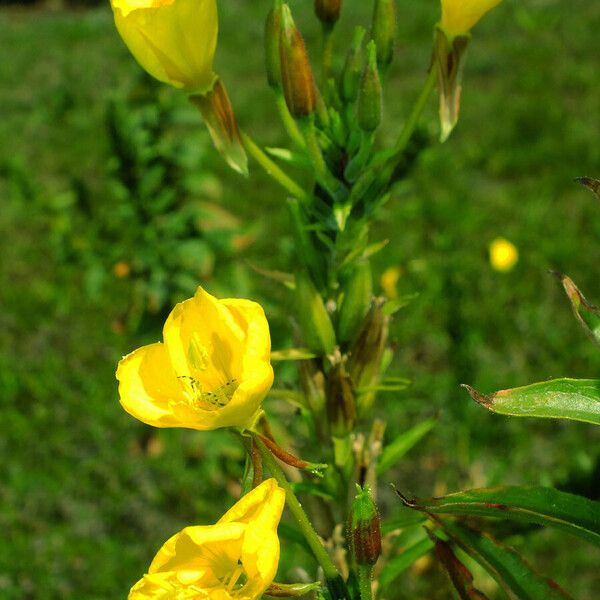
213, 368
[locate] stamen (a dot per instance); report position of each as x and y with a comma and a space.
208, 400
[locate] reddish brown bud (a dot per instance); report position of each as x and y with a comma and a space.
296, 73
341, 406
364, 529
328, 11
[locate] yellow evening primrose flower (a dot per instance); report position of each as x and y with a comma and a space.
235, 559
213, 369
503, 255
174, 40
459, 16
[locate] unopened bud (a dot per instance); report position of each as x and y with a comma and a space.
341, 406
449, 56
313, 317
355, 304
296, 73
272, 35
364, 529
220, 120
384, 30
370, 104
350, 83
328, 11
367, 350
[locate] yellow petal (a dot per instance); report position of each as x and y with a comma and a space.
249, 507
212, 548
174, 41
148, 384
459, 16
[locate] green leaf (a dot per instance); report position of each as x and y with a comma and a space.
292, 354
393, 306
402, 444
575, 399
545, 506
405, 518
586, 313
394, 567
508, 568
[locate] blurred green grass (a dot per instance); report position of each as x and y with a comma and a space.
87, 494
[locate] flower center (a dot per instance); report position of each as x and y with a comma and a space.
213, 399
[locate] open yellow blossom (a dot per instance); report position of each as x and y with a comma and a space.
213, 369
235, 559
174, 40
459, 16
503, 255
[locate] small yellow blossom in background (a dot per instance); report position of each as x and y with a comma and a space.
122, 270
213, 369
459, 16
389, 280
174, 40
503, 255
236, 559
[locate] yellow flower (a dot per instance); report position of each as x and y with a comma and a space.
459, 16
236, 559
503, 255
174, 40
213, 369
389, 281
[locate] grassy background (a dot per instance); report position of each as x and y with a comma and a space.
87, 494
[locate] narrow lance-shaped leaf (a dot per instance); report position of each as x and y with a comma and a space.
517, 578
402, 444
575, 399
460, 576
407, 556
545, 506
585, 312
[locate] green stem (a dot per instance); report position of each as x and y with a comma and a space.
288, 121
322, 174
413, 119
274, 171
330, 571
327, 53
365, 573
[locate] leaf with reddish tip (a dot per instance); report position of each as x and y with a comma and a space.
590, 183
507, 567
575, 399
545, 506
460, 576
585, 312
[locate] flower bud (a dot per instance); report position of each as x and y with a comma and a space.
350, 82
173, 41
364, 529
328, 11
449, 57
355, 304
370, 104
458, 16
296, 73
222, 125
313, 317
272, 35
341, 407
384, 30
367, 354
